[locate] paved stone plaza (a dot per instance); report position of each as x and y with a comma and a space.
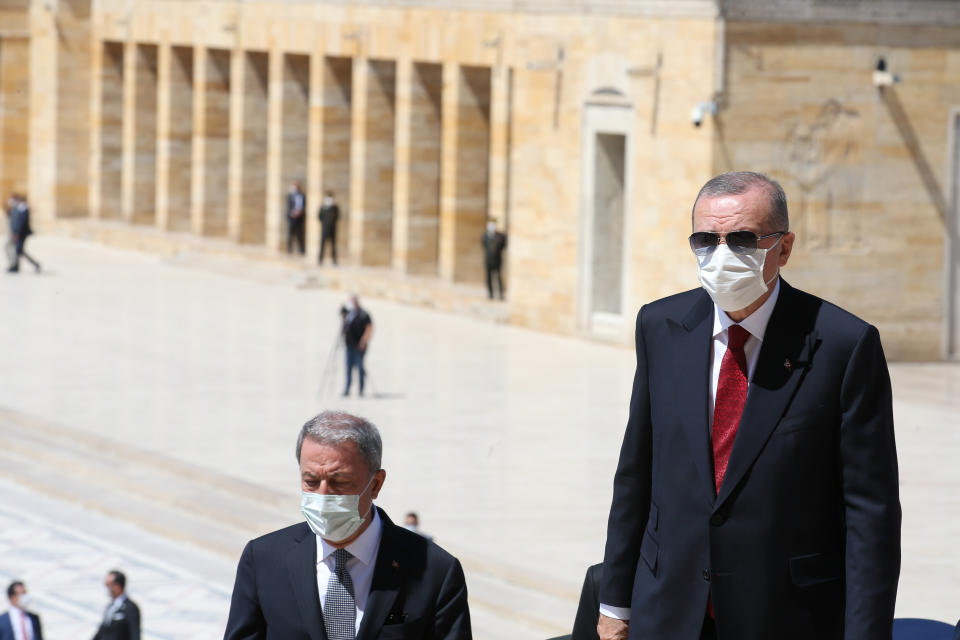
149, 408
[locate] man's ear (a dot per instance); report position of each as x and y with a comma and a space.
786, 247
378, 479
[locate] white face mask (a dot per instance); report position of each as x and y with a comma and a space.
327, 201
491, 227
26, 602
734, 281
333, 518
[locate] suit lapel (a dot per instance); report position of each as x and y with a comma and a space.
302, 566
386, 582
788, 347
692, 344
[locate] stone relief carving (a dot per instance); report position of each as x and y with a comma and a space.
821, 157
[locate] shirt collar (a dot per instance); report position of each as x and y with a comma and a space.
755, 323
364, 548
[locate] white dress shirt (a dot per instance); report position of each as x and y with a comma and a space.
364, 551
20, 621
756, 325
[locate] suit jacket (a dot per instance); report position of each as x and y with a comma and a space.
6, 626
124, 624
328, 216
588, 612
803, 540
493, 246
292, 205
418, 590
20, 221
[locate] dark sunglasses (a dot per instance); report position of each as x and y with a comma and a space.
743, 243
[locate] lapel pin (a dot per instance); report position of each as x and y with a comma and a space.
788, 365
395, 564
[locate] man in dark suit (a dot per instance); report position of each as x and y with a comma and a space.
348, 571
20, 230
121, 620
493, 243
19, 623
756, 496
329, 215
296, 220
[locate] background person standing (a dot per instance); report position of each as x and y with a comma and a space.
329, 215
121, 620
296, 207
493, 243
357, 330
19, 623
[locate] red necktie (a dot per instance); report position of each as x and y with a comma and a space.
731, 396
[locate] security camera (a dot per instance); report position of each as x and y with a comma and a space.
702, 110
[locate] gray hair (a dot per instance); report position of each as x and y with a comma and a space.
333, 428
736, 182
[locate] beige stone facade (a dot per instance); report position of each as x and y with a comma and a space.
568, 122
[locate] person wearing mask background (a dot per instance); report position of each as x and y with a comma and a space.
121, 620
357, 331
329, 216
20, 230
19, 623
756, 496
348, 570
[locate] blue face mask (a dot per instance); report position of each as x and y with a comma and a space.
333, 517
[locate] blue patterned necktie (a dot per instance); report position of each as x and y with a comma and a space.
339, 607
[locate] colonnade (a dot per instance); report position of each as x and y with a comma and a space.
207, 140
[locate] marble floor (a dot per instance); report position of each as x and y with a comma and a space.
149, 409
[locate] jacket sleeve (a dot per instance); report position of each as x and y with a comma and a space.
631, 490
452, 620
870, 493
133, 622
245, 621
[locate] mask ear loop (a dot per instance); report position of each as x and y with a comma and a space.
765, 252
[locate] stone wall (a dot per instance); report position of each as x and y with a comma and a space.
864, 167
14, 115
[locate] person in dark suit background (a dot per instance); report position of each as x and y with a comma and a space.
493, 243
348, 571
329, 215
756, 494
121, 620
19, 623
357, 331
20, 230
296, 220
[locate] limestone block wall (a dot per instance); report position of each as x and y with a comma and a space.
865, 169
423, 197
14, 112
295, 126
73, 108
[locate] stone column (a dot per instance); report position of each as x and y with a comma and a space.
235, 172
128, 121
163, 134
448, 170
500, 108
198, 155
43, 115
143, 111
96, 118
275, 231
401, 166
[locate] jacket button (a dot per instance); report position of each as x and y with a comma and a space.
717, 519
706, 575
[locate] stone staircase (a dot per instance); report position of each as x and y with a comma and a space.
216, 514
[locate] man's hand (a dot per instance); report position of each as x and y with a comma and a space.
612, 629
